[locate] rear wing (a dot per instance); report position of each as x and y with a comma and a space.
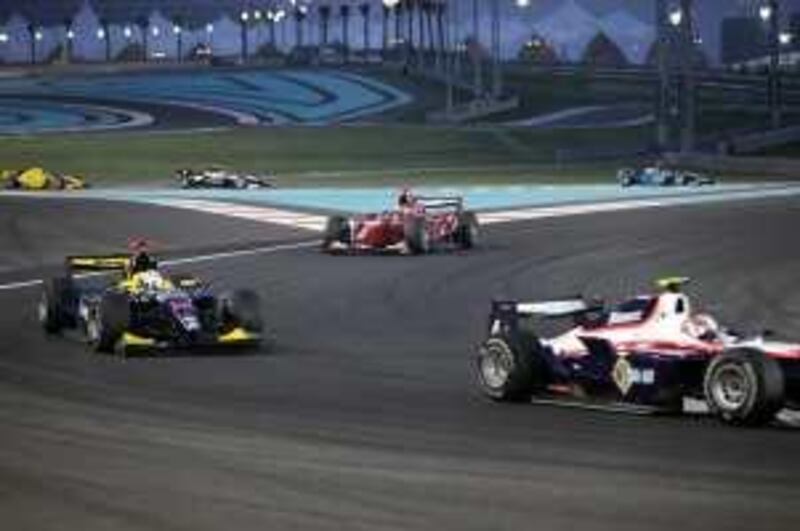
556, 309
112, 262
507, 316
440, 202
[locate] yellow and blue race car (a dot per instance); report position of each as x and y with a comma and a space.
144, 309
38, 179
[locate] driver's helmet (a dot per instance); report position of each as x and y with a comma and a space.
141, 260
150, 282
702, 326
405, 199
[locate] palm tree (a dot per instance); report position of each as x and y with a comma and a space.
344, 13
430, 9
410, 5
364, 8
325, 18
143, 23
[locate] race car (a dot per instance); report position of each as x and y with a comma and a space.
660, 176
216, 177
143, 309
648, 352
35, 179
419, 225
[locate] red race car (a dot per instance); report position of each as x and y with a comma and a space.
419, 225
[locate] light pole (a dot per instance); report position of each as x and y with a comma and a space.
770, 14
687, 75
662, 111
477, 66
244, 18
104, 34
210, 36
258, 18
32, 41
497, 67
69, 36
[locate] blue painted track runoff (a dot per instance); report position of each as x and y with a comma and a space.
252, 96
484, 198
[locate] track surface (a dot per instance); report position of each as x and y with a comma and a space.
364, 417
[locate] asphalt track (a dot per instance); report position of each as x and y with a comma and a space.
364, 416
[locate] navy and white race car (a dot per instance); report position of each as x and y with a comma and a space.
216, 177
658, 176
650, 352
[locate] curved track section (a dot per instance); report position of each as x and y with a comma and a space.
364, 417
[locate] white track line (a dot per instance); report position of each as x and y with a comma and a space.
270, 249
313, 222
490, 218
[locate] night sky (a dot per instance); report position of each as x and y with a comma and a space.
708, 13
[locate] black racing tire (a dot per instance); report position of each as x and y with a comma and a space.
337, 230
468, 231
241, 308
416, 236
744, 387
55, 304
510, 369
109, 321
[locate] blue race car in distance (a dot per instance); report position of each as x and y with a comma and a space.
659, 176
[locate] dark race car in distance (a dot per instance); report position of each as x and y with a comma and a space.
419, 225
141, 309
650, 352
216, 177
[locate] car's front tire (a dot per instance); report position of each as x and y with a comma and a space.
106, 325
416, 236
54, 302
468, 230
744, 387
337, 231
241, 308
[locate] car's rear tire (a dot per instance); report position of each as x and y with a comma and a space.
416, 236
468, 230
107, 324
510, 370
54, 304
744, 387
241, 308
337, 230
